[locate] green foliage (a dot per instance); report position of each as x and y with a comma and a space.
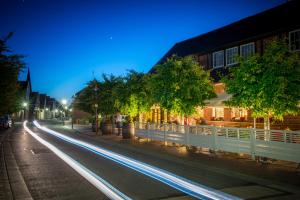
268, 84
108, 94
180, 85
88, 97
134, 94
10, 67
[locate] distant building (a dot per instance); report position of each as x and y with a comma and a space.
24, 91
216, 52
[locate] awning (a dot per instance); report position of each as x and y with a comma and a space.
219, 100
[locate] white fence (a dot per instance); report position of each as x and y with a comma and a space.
275, 144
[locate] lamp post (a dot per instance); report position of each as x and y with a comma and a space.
96, 105
71, 117
24, 111
64, 103
96, 112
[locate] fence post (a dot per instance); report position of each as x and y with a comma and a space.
187, 135
215, 138
252, 143
284, 136
165, 142
148, 131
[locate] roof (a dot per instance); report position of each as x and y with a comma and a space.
279, 19
42, 100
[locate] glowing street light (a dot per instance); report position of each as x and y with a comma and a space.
56, 110
25, 104
64, 102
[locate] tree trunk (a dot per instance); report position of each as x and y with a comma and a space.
254, 122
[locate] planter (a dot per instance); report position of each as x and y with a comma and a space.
106, 128
128, 131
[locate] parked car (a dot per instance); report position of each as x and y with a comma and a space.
5, 121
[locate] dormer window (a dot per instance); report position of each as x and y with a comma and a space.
231, 55
247, 50
294, 40
218, 59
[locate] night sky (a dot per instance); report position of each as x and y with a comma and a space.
65, 41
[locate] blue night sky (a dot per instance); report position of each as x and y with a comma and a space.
64, 41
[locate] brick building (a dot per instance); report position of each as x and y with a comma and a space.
216, 51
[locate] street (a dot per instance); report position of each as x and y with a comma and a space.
48, 177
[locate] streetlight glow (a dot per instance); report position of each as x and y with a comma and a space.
64, 101
24, 104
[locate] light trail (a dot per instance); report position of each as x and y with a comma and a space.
189, 187
95, 180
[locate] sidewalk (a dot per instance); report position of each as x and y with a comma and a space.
242, 166
12, 184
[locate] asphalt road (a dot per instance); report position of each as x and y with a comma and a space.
47, 177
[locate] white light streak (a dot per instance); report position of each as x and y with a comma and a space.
95, 180
177, 182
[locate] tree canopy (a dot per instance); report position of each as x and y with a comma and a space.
268, 84
10, 67
88, 97
134, 95
180, 85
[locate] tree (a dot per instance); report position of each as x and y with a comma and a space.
10, 67
108, 94
268, 85
88, 97
134, 94
180, 85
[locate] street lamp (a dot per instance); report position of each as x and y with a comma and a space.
71, 117
64, 103
96, 105
25, 104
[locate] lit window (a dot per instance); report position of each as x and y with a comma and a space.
218, 59
294, 37
247, 50
238, 113
217, 112
231, 55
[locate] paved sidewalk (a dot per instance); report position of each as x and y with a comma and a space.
12, 182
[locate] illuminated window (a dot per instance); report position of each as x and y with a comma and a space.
247, 50
238, 113
218, 113
231, 55
218, 59
294, 38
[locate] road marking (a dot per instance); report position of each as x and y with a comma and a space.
95, 180
177, 182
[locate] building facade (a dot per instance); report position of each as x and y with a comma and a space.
216, 51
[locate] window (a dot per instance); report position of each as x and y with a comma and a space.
217, 113
231, 55
238, 114
247, 50
218, 59
294, 38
